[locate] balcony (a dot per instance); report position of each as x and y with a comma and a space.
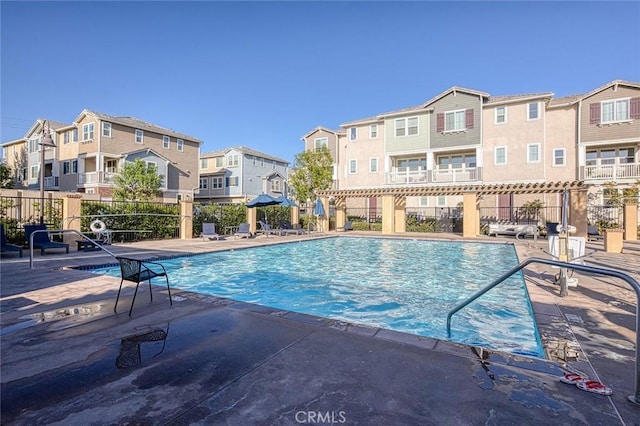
93, 178
51, 182
434, 176
610, 171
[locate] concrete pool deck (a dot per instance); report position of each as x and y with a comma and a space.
68, 359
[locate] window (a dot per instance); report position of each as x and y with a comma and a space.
276, 185
204, 163
373, 131
455, 121
353, 133
204, 183
166, 142
152, 165
273, 165
412, 164
66, 137
532, 111
34, 172
262, 162
232, 181
533, 153
373, 165
406, 126
232, 161
501, 115
87, 131
139, 136
442, 201
74, 166
66, 168
216, 183
33, 145
75, 135
254, 161
458, 161
106, 129
559, 157
219, 162
111, 166
319, 143
615, 111
500, 157
423, 201
353, 166
180, 145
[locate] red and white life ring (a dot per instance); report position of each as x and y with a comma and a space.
97, 226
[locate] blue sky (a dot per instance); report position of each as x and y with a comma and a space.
263, 74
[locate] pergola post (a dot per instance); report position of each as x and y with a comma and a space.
295, 216
470, 217
252, 219
578, 211
400, 215
388, 214
630, 221
341, 212
186, 219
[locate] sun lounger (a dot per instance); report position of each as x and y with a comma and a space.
5, 246
244, 231
41, 240
593, 233
209, 231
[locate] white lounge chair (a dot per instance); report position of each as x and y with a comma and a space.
266, 229
209, 231
244, 231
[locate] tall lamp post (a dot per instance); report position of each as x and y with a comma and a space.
46, 141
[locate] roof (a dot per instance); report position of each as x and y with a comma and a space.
572, 99
148, 150
455, 89
505, 99
138, 124
244, 150
317, 129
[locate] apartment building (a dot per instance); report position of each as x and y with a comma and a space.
238, 174
91, 150
465, 136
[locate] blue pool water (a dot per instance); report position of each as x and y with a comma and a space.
399, 284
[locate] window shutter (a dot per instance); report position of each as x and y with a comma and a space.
440, 122
468, 119
635, 108
594, 113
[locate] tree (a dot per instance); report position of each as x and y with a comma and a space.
314, 172
137, 182
6, 176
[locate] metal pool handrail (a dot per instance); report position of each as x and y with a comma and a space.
591, 269
61, 231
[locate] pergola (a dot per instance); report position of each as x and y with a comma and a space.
394, 201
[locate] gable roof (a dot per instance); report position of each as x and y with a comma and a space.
454, 90
317, 129
572, 99
136, 123
148, 150
506, 99
244, 150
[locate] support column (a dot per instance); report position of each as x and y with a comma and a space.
400, 215
388, 214
252, 219
630, 222
324, 220
295, 216
186, 219
578, 211
470, 217
341, 212
71, 212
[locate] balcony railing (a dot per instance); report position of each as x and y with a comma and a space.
611, 171
96, 178
51, 182
434, 176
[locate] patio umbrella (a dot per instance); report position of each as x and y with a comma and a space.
285, 202
318, 209
263, 200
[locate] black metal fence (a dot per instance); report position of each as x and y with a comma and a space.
133, 220
605, 216
434, 219
365, 218
17, 211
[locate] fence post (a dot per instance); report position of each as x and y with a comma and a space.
71, 212
186, 219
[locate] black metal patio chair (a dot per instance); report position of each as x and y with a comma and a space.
137, 271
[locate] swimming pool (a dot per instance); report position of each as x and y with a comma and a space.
394, 283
